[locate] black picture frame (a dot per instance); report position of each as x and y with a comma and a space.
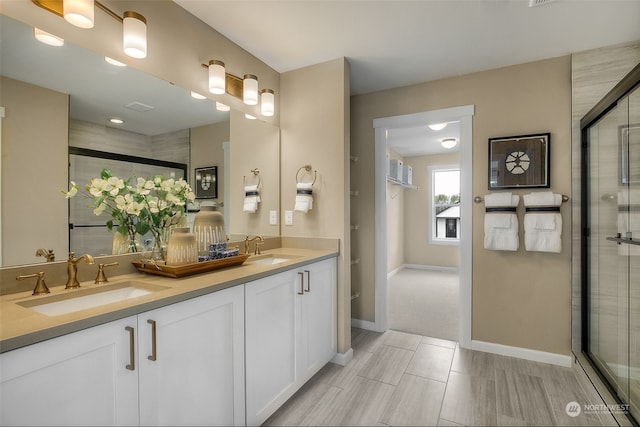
629, 154
206, 182
521, 161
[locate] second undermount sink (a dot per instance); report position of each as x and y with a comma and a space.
82, 299
270, 259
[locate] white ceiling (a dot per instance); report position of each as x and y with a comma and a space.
394, 43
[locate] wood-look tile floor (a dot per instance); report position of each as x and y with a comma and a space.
402, 379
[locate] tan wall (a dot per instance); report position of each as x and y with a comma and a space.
34, 132
520, 299
417, 246
314, 131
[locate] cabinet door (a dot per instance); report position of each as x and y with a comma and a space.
319, 323
272, 310
196, 376
77, 379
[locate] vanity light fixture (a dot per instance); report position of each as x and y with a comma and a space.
250, 89
78, 12
196, 95
438, 126
267, 102
217, 77
449, 142
47, 38
222, 107
114, 62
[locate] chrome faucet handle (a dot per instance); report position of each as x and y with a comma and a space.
41, 287
101, 277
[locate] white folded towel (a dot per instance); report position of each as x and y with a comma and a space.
501, 222
251, 198
629, 220
304, 197
543, 222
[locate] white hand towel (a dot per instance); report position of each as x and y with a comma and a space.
304, 197
501, 222
251, 199
543, 222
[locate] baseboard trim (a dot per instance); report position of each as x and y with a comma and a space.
431, 267
364, 324
343, 358
523, 353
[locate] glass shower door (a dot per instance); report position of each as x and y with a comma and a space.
613, 248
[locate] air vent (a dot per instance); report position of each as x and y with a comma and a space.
533, 3
139, 106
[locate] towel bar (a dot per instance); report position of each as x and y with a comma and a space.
479, 199
308, 169
255, 172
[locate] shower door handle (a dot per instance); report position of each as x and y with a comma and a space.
626, 240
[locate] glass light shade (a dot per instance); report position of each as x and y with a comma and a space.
250, 89
47, 38
78, 12
449, 142
222, 107
134, 35
217, 77
267, 102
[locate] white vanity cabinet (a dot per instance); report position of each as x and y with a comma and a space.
290, 333
191, 361
105, 375
76, 379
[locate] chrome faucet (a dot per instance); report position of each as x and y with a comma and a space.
72, 269
247, 242
48, 254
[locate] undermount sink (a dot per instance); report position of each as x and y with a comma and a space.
82, 299
270, 259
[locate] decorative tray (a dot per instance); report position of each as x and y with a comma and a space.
150, 267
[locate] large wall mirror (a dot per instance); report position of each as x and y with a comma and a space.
58, 102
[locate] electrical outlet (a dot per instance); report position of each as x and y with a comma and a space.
288, 217
273, 217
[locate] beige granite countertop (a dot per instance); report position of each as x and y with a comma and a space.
21, 326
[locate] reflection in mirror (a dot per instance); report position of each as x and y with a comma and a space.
57, 98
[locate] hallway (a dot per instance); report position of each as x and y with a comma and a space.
398, 379
425, 302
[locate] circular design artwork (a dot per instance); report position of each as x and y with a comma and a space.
517, 162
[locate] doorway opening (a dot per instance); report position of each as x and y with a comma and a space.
384, 127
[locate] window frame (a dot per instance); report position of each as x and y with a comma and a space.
431, 206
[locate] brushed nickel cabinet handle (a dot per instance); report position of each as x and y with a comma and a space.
132, 352
301, 291
308, 281
153, 340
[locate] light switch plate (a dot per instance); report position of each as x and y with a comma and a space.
288, 217
273, 217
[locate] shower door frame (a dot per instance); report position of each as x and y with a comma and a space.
629, 83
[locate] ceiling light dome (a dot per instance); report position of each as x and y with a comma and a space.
438, 126
449, 142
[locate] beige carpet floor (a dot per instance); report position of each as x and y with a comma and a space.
424, 302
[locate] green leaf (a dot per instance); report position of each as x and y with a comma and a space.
142, 228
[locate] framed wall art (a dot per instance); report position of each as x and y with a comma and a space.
206, 183
520, 161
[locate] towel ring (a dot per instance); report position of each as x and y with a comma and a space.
307, 168
479, 199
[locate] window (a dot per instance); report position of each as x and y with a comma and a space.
445, 202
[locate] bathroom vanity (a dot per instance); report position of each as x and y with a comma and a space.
222, 348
